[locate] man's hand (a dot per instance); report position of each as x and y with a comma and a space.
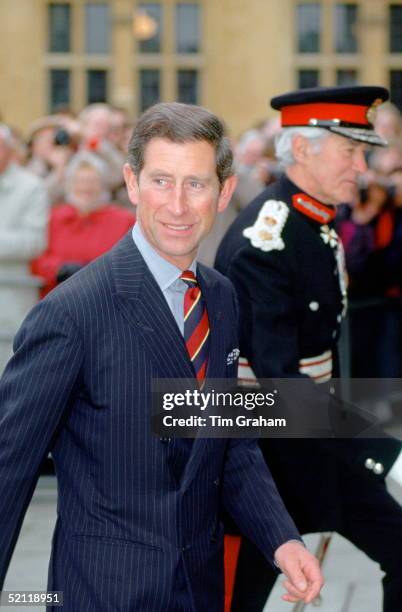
302, 570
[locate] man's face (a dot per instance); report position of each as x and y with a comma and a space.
333, 170
43, 143
97, 124
177, 195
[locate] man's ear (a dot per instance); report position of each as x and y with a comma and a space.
131, 183
226, 193
300, 148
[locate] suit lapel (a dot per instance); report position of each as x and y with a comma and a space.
142, 302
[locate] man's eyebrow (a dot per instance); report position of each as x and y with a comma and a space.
192, 177
159, 172
200, 177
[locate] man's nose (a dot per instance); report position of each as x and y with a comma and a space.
178, 201
359, 161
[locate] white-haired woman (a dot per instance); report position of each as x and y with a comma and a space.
85, 226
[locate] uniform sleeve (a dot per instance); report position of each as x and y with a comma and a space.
35, 390
268, 332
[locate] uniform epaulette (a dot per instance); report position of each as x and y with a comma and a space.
266, 232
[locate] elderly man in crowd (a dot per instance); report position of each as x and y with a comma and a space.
50, 148
285, 260
97, 125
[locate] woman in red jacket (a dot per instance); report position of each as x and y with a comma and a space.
84, 227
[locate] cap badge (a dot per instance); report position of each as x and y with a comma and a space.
372, 110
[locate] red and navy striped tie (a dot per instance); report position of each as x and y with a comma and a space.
196, 325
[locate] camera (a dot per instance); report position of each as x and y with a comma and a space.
62, 137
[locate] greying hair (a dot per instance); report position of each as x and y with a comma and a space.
181, 123
87, 159
283, 142
248, 137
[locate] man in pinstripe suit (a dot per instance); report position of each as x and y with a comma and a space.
138, 517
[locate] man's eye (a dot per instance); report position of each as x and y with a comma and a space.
160, 181
196, 184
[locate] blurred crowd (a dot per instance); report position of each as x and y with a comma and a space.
67, 180
371, 232
63, 203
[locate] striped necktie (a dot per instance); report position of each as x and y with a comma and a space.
196, 325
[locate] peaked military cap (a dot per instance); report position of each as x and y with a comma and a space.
348, 111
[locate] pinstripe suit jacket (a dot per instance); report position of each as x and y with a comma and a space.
134, 532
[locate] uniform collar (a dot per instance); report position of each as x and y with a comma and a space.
313, 208
309, 206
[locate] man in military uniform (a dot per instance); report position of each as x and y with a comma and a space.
285, 260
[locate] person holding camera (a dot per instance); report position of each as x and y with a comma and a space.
50, 148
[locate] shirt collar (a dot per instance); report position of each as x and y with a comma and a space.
163, 271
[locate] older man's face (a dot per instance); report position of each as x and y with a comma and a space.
333, 171
97, 124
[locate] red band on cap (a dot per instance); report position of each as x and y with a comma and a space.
301, 114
